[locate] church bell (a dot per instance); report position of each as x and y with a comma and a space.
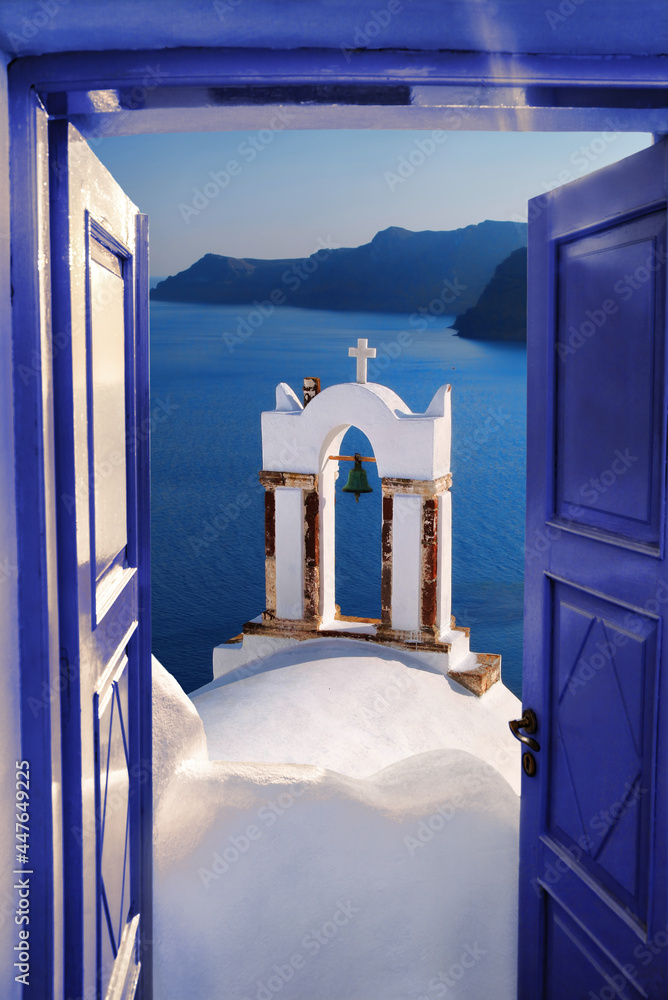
357, 480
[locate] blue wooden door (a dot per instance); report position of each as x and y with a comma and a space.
593, 892
102, 423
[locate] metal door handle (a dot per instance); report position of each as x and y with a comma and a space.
529, 723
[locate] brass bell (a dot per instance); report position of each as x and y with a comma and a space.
357, 480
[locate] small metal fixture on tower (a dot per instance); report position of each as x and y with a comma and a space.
357, 480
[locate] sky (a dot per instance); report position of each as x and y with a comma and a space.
285, 193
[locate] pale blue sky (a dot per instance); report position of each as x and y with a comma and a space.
292, 189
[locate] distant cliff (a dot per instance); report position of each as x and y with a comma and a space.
399, 271
501, 311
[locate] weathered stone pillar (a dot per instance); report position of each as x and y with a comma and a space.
269, 551
416, 543
292, 547
311, 389
429, 562
444, 562
436, 558
312, 553
386, 564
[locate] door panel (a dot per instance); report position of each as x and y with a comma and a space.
609, 380
102, 464
107, 381
112, 815
604, 662
593, 885
572, 956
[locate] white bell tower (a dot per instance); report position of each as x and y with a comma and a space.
300, 445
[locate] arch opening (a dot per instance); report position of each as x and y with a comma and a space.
358, 535
350, 532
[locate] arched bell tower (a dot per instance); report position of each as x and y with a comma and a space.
412, 452
413, 459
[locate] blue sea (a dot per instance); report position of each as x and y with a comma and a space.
209, 385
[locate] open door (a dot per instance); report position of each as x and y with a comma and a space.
99, 248
594, 837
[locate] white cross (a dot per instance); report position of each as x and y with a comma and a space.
362, 352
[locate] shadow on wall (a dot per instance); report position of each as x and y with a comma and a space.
294, 880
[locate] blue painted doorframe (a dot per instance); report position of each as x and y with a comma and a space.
99, 299
38, 634
594, 826
59, 85
68, 737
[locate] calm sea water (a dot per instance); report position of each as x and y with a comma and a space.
208, 505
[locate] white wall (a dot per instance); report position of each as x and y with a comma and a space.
328, 478
405, 444
289, 552
406, 561
9, 674
444, 595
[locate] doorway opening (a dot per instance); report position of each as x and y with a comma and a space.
215, 363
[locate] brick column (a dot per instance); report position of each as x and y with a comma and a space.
312, 552
386, 566
270, 551
431, 564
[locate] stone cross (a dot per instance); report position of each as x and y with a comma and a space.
362, 352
